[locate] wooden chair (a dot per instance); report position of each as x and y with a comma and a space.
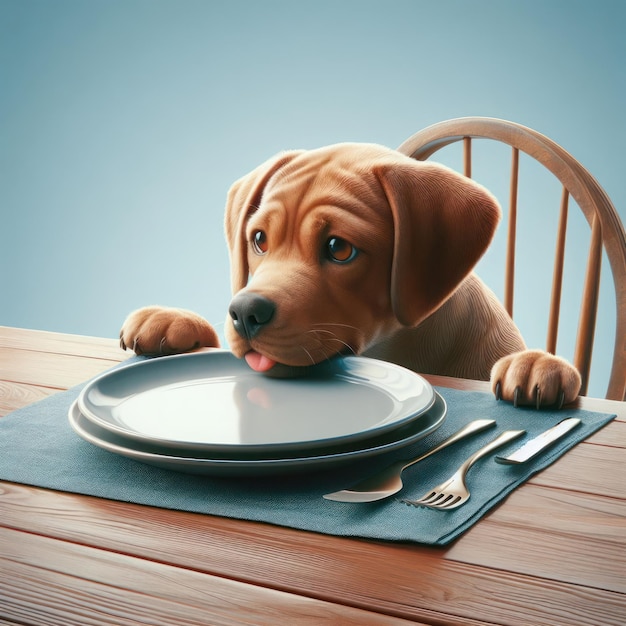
607, 231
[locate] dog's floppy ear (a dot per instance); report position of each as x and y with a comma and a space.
443, 223
243, 200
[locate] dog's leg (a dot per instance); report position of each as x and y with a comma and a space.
535, 377
156, 330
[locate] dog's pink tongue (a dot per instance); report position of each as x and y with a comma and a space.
259, 362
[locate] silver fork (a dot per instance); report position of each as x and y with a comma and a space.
454, 492
388, 481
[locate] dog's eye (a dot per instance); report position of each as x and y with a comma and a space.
339, 250
259, 242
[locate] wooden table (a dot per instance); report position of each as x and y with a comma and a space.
553, 553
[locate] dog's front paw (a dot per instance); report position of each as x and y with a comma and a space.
535, 377
156, 330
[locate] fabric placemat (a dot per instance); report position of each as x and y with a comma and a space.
38, 447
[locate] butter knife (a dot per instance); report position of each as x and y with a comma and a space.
537, 445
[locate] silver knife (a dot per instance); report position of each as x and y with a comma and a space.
533, 447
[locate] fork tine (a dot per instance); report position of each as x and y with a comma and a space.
444, 500
429, 500
429, 497
451, 502
438, 500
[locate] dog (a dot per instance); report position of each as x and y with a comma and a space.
359, 249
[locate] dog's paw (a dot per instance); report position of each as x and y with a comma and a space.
156, 330
535, 377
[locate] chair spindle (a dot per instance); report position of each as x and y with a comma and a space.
467, 156
510, 246
589, 305
557, 276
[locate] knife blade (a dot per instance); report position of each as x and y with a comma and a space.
538, 444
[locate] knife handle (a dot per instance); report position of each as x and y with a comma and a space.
535, 446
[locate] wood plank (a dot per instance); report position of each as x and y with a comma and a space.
46, 581
602, 406
585, 532
78, 345
44, 369
613, 434
36, 364
16, 395
587, 468
583, 538
413, 582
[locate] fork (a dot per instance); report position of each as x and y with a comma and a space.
453, 492
389, 480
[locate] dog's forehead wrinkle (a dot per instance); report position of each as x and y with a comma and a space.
335, 167
293, 220
355, 189
337, 195
268, 219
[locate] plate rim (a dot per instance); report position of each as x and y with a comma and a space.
247, 466
252, 448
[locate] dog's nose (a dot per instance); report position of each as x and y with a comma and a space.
250, 312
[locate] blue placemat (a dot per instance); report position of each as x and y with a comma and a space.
38, 447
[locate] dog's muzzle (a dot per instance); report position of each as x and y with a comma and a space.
250, 312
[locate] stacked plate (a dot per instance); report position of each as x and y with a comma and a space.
209, 413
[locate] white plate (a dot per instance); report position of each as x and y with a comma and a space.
214, 403
206, 465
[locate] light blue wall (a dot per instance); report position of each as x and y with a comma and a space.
123, 123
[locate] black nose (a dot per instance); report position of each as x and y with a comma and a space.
250, 312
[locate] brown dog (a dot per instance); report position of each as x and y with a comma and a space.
356, 248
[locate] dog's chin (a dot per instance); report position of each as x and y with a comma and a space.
280, 370
273, 369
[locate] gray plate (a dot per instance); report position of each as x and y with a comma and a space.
341, 454
212, 402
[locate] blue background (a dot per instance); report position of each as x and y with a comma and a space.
123, 123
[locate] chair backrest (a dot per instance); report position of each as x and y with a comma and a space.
607, 230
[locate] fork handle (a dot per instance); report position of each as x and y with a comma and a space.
500, 440
472, 427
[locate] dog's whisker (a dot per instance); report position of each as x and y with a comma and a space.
347, 345
308, 354
314, 331
328, 339
350, 326
326, 330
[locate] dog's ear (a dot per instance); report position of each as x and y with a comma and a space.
443, 223
243, 200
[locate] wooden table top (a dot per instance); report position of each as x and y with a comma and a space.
553, 553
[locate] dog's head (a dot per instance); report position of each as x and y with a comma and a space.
332, 248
